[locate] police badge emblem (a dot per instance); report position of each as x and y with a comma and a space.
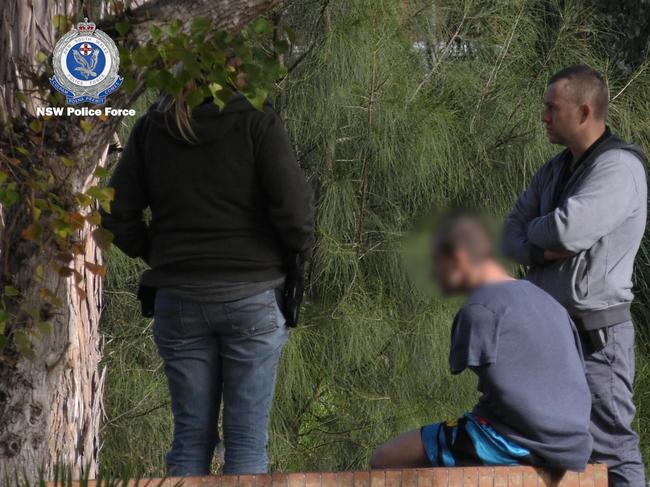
86, 63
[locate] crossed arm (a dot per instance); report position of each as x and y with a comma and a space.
599, 205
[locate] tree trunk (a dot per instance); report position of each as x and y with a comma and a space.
51, 405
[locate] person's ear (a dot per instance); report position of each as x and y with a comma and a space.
585, 112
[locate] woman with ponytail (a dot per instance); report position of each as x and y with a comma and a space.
229, 203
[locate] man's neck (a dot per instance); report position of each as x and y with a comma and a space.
490, 272
580, 147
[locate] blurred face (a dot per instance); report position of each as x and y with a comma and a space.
450, 272
562, 115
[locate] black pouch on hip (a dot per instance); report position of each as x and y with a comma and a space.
595, 339
294, 288
146, 296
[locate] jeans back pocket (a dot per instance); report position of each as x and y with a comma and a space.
253, 315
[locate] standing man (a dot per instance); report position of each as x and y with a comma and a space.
578, 227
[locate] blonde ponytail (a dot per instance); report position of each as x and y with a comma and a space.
181, 110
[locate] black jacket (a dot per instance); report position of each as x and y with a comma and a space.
230, 208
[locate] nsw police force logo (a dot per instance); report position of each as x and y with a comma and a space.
86, 62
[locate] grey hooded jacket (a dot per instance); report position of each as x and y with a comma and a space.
600, 214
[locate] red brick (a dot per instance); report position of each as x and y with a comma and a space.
393, 478
228, 480
191, 481
441, 477
313, 479
571, 479
455, 477
210, 481
485, 477
501, 477
599, 474
530, 477
263, 481
279, 480
586, 478
409, 478
425, 478
515, 477
346, 479
594, 476
296, 480
470, 477
247, 480
378, 478
361, 479
329, 479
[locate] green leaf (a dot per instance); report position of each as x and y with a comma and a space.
195, 97
60, 22
258, 98
35, 125
101, 172
83, 200
62, 229
142, 56
200, 25
4, 318
85, 125
67, 162
45, 327
41, 57
129, 84
23, 344
95, 192
94, 218
11, 291
10, 196
262, 26
103, 195
122, 27
103, 237
173, 28
23, 151
155, 32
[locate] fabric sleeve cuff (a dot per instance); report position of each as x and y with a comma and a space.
537, 255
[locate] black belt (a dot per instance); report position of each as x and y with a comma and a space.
602, 318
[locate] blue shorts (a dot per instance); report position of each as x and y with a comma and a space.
471, 441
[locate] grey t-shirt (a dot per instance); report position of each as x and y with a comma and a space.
525, 350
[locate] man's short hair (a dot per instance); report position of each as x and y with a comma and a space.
467, 232
586, 85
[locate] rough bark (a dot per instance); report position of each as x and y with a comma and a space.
51, 406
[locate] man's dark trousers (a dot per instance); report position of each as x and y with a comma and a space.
610, 374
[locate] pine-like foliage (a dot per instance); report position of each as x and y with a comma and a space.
398, 110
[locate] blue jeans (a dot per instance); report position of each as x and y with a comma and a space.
212, 350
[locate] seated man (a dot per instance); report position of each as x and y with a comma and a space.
522, 345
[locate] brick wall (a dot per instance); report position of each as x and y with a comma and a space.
594, 476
